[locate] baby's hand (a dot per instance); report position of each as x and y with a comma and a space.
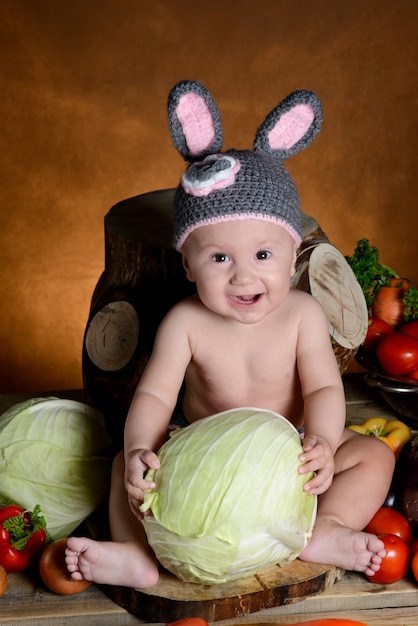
136, 465
317, 457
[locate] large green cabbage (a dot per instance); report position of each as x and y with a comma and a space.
55, 453
228, 499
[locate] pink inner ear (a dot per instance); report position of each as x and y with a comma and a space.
291, 127
196, 119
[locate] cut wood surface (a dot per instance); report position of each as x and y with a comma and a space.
322, 271
171, 599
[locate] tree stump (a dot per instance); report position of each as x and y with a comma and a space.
323, 271
143, 278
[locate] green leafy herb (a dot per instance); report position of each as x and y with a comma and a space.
410, 301
370, 274
20, 528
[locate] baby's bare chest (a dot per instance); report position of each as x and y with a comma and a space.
243, 365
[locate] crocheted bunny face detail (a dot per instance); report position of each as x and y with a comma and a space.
216, 171
237, 184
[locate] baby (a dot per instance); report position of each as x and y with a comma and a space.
245, 339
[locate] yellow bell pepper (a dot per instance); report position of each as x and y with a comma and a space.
393, 432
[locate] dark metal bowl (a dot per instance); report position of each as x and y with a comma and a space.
398, 392
401, 396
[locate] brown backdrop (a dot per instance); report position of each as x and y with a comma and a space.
83, 125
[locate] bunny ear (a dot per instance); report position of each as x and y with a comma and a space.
291, 126
194, 120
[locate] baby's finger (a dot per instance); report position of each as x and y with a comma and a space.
318, 484
134, 506
150, 459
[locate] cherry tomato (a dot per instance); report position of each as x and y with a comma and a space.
54, 573
414, 565
388, 521
376, 329
410, 328
397, 353
3, 580
395, 564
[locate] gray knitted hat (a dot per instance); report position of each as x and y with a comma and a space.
237, 184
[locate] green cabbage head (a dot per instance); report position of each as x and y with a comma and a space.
55, 453
228, 499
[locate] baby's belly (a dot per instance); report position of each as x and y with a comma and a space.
196, 407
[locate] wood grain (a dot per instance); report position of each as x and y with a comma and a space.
172, 599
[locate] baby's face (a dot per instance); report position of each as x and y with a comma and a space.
242, 268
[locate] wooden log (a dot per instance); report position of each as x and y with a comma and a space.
143, 278
171, 599
322, 271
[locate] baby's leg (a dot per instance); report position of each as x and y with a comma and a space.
127, 560
363, 472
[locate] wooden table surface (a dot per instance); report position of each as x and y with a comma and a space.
26, 602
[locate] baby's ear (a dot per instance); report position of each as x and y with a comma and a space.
189, 273
291, 126
194, 121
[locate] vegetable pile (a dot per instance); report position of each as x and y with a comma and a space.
392, 337
214, 474
399, 517
401, 548
57, 453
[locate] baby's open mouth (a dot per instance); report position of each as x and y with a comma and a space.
250, 299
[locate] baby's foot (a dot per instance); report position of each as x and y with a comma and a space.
343, 547
111, 563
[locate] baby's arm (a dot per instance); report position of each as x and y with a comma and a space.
154, 401
323, 396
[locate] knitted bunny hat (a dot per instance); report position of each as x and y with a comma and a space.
237, 184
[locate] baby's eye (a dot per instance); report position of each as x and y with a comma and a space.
263, 254
220, 257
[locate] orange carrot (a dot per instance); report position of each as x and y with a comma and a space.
387, 304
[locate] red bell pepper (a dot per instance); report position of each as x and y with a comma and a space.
22, 537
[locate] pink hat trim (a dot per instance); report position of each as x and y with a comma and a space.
242, 216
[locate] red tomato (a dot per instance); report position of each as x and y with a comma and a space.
377, 328
395, 564
414, 566
397, 353
411, 329
54, 573
412, 376
388, 521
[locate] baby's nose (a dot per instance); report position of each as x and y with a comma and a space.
242, 275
